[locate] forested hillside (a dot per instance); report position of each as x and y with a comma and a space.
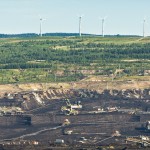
71, 58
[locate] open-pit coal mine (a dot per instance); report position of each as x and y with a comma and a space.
69, 118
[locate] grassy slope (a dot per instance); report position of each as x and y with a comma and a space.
115, 40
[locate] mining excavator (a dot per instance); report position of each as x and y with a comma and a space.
142, 141
71, 109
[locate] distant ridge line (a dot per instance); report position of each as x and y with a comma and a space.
27, 35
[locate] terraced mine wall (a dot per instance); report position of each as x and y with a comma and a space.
32, 99
29, 100
81, 118
86, 118
59, 119
6, 121
144, 117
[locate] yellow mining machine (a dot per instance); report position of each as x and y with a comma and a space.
66, 122
143, 141
71, 109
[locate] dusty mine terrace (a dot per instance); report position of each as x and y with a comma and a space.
103, 120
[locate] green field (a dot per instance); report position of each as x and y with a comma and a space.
65, 59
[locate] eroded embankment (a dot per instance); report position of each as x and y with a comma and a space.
34, 95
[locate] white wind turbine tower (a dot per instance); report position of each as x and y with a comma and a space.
41, 21
80, 23
144, 21
103, 21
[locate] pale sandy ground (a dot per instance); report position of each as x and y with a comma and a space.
90, 83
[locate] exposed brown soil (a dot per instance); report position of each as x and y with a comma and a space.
93, 84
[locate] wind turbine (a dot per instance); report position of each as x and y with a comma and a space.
144, 21
41, 21
103, 21
80, 22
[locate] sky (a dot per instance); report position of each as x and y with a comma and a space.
123, 16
